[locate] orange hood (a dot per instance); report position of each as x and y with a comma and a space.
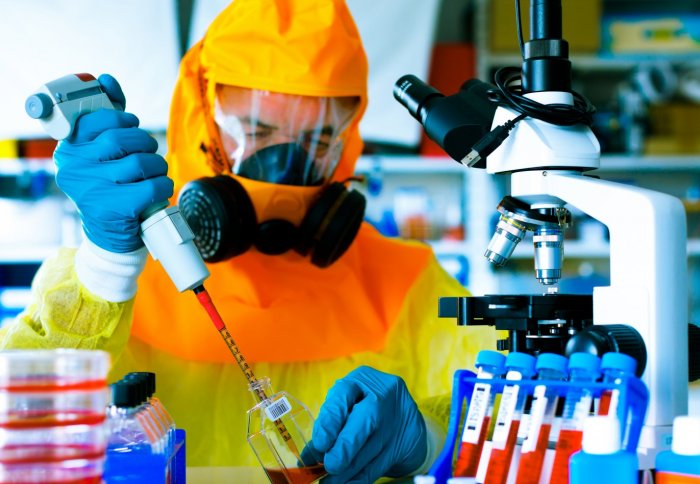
303, 47
308, 48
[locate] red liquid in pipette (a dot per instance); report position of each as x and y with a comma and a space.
208, 305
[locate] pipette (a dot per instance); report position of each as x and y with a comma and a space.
57, 105
217, 320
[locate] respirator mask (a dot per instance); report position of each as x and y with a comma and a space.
282, 149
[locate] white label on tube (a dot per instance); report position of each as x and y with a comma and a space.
278, 409
477, 412
539, 406
582, 410
614, 399
506, 411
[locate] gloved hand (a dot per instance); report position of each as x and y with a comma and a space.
109, 168
369, 427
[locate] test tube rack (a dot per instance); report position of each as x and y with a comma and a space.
631, 409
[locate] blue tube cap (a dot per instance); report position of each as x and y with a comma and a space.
584, 361
521, 362
618, 361
552, 361
491, 358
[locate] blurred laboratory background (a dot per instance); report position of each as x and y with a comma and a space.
637, 61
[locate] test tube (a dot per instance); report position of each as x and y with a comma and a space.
615, 367
549, 366
490, 365
519, 366
584, 368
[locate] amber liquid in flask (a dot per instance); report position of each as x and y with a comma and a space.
280, 461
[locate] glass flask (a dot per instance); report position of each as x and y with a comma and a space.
279, 431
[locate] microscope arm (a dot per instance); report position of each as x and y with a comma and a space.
648, 276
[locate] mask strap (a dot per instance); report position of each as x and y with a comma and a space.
353, 178
214, 149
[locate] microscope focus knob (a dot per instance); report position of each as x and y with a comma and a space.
604, 338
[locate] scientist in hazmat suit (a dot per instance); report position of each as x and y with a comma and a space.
264, 125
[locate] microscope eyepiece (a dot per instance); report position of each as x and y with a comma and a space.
414, 94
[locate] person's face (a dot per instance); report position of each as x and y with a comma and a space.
250, 120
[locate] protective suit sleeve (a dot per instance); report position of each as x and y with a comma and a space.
440, 347
64, 314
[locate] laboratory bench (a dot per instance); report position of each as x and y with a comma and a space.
242, 475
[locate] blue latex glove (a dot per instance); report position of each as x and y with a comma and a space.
369, 427
109, 168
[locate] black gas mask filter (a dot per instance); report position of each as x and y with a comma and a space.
222, 216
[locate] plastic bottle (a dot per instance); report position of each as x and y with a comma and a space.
490, 364
601, 461
131, 454
549, 366
584, 368
681, 464
615, 367
519, 366
156, 412
162, 418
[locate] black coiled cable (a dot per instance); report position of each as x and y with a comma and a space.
509, 94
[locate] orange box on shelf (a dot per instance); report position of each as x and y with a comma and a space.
450, 66
37, 148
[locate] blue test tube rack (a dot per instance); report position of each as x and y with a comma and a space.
631, 409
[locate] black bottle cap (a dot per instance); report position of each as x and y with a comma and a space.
126, 394
147, 377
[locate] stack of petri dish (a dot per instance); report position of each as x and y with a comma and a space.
52, 415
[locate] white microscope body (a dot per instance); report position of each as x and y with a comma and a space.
648, 262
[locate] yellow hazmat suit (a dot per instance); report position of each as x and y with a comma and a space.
302, 326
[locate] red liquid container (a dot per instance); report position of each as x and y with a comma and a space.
490, 364
584, 368
520, 366
549, 367
52, 416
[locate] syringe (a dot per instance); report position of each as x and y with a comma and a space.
208, 305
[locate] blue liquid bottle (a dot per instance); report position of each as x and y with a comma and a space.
601, 460
681, 464
133, 453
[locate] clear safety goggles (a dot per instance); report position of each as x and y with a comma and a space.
258, 128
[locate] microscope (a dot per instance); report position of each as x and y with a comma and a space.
532, 127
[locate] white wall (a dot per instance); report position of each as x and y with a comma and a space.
40, 40
398, 37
